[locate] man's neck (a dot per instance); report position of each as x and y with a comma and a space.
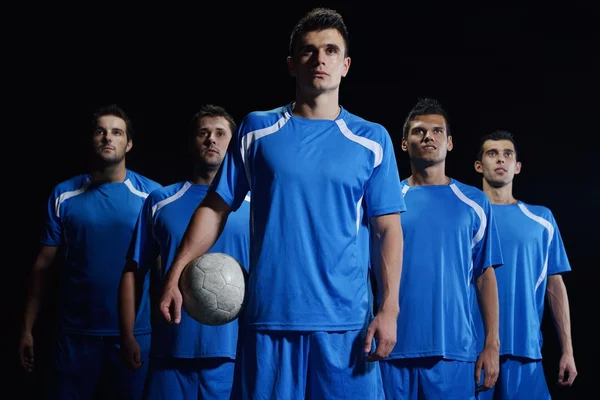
203, 175
324, 106
499, 195
109, 174
430, 175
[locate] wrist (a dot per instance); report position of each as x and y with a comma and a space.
127, 335
567, 350
492, 342
390, 307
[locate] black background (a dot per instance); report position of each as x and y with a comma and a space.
531, 70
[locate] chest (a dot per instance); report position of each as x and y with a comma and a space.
438, 212
516, 230
312, 156
102, 210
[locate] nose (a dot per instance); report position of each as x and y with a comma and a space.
210, 138
428, 136
321, 55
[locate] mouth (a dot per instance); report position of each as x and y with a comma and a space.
500, 170
319, 74
107, 148
429, 147
211, 151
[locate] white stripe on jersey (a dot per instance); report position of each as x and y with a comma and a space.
546, 224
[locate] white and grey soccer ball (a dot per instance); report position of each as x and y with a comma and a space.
213, 288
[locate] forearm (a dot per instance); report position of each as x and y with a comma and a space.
35, 294
388, 263
487, 292
559, 308
201, 234
127, 308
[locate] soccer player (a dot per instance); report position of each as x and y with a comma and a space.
450, 251
188, 360
314, 170
534, 261
91, 219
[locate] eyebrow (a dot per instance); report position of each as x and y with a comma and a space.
208, 130
326, 45
495, 149
434, 127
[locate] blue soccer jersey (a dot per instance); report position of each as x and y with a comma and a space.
450, 238
93, 224
160, 228
311, 181
532, 249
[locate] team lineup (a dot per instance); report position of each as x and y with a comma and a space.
361, 283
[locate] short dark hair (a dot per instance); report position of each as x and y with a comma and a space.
211, 110
496, 135
318, 19
116, 111
425, 106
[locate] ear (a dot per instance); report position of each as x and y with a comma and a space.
404, 144
450, 145
518, 168
129, 145
345, 66
290, 65
478, 166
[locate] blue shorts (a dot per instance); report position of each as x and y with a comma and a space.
304, 365
428, 378
519, 378
189, 378
88, 367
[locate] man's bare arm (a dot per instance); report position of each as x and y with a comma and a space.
388, 250
487, 293
202, 232
559, 307
37, 286
127, 300
489, 358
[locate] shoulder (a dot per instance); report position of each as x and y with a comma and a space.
473, 193
362, 127
141, 182
257, 120
537, 210
164, 192
75, 184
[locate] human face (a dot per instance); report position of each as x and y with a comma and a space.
427, 140
109, 141
498, 163
319, 62
209, 144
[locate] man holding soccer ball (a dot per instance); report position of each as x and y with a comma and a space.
188, 360
318, 175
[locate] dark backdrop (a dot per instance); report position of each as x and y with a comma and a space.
529, 70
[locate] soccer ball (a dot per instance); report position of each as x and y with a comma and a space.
213, 287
